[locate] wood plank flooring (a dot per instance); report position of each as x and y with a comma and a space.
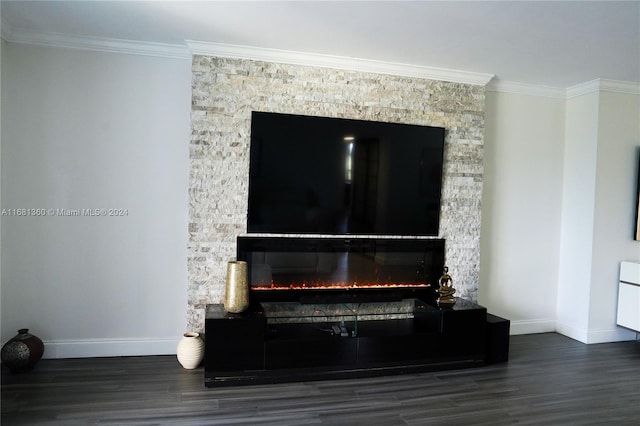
549, 380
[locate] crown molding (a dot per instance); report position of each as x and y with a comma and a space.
616, 86
179, 51
336, 62
174, 51
593, 86
526, 89
603, 85
585, 88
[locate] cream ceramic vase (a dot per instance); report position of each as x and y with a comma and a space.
190, 350
236, 294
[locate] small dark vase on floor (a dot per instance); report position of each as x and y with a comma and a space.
22, 352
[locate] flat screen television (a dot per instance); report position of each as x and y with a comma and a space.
318, 175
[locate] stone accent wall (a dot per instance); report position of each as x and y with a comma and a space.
225, 91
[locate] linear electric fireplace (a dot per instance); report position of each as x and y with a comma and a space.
341, 269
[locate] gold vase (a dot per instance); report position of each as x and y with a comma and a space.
236, 294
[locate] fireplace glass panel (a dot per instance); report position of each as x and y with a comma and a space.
328, 264
346, 316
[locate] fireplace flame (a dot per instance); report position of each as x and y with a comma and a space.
336, 286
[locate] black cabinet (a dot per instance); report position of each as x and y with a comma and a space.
292, 341
497, 339
309, 352
233, 342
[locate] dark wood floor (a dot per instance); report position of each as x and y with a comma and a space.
549, 380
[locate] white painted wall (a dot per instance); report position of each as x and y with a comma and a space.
521, 205
614, 213
577, 215
557, 215
95, 130
601, 147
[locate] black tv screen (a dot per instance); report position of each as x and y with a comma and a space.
317, 175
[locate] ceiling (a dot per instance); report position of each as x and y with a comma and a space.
555, 44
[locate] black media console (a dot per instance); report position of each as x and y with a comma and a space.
292, 341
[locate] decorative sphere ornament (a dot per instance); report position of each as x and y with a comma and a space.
23, 352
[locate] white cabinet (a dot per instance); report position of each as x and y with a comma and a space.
629, 296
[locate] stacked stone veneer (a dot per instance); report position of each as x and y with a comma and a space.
225, 91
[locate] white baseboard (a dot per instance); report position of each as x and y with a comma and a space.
571, 331
532, 326
109, 347
617, 334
